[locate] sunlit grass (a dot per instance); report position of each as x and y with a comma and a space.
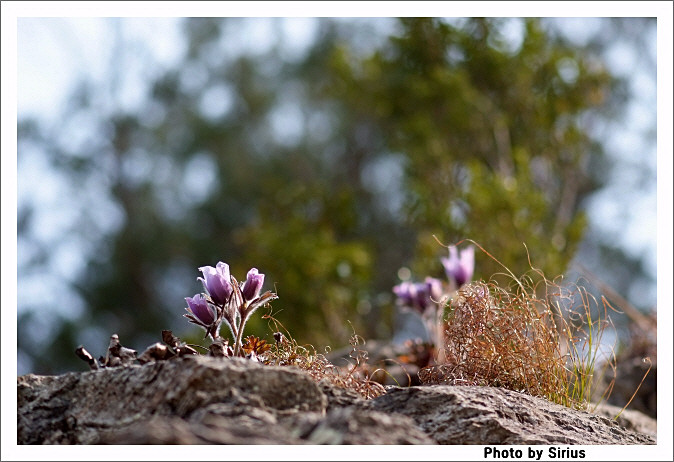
286, 351
527, 334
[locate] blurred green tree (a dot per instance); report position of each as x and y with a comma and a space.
328, 170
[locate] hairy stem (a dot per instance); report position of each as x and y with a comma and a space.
239, 334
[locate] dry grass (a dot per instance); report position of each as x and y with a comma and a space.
287, 352
532, 335
495, 339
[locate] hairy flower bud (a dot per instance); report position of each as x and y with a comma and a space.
217, 282
251, 288
199, 307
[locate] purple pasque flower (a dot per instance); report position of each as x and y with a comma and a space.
406, 292
459, 268
419, 295
199, 311
434, 289
217, 282
253, 285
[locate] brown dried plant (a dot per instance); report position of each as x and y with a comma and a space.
287, 352
532, 335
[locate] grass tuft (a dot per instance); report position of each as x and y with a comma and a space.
530, 335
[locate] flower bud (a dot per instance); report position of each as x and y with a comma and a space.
251, 288
433, 289
217, 282
460, 269
406, 292
423, 297
198, 306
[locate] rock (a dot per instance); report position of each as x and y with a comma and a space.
340, 397
79, 407
207, 400
487, 415
351, 425
630, 419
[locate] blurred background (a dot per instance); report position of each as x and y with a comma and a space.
327, 153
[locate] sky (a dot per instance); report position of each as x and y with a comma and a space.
68, 47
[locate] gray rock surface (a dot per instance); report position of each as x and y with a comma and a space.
204, 400
486, 415
630, 419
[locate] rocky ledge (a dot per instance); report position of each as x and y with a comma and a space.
204, 400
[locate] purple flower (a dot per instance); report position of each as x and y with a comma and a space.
433, 289
251, 288
421, 294
217, 282
406, 292
199, 307
460, 269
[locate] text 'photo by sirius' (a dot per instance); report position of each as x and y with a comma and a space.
491, 452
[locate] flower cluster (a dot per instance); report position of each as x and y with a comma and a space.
420, 296
428, 298
226, 300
